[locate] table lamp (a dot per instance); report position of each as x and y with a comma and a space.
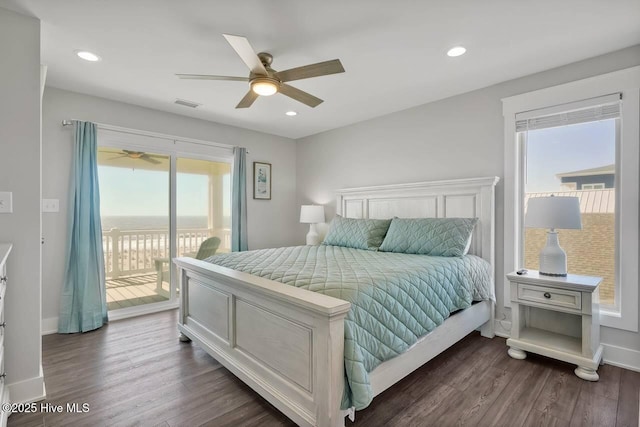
312, 215
553, 213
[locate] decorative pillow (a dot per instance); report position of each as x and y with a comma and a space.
357, 233
429, 236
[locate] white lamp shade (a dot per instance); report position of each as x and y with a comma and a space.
553, 212
311, 214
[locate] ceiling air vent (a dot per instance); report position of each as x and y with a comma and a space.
186, 103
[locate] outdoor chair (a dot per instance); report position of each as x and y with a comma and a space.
207, 248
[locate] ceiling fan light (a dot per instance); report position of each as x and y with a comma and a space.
264, 87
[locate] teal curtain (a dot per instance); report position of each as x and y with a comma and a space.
239, 240
83, 303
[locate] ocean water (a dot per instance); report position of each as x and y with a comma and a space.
151, 222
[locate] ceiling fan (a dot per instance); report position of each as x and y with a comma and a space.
139, 155
266, 81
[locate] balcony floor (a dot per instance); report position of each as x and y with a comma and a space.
129, 291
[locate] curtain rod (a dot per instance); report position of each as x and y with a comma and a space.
173, 138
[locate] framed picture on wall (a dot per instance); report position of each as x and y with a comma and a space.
262, 180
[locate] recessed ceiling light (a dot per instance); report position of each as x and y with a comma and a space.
291, 113
87, 56
456, 51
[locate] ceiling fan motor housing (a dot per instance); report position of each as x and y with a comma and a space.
266, 59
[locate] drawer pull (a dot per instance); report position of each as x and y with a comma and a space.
547, 295
3, 376
3, 324
3, 279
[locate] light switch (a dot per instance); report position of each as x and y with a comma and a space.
50, 205
6, 204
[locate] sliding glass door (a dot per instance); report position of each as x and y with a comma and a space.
134, 206
155, 205
203, 207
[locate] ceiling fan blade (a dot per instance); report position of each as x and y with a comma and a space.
118, 157
210, 77
313, 70
134, 153
150, 160
247, 54
248, 99
300, 96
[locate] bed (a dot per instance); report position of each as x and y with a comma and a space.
288, 343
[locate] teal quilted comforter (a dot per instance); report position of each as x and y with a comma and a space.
395, 298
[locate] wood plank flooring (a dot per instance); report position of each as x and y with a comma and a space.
134, 372
129, 291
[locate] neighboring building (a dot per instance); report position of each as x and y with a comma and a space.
590, 250
589, 179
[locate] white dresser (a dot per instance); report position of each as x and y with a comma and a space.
5, 249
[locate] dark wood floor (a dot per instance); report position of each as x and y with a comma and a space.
135, 372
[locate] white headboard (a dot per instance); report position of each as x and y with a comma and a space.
456, 198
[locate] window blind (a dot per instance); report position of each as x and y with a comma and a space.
588, 110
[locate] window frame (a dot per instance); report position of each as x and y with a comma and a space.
627, 82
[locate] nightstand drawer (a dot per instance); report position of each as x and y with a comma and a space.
550, 296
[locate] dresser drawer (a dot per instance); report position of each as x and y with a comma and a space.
550, 296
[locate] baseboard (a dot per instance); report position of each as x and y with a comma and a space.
621, 357
27, 391
50, 326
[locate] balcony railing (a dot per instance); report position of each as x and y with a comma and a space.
129, 252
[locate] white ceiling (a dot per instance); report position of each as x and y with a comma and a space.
394, 52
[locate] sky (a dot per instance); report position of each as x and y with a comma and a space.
566, 149
138, 192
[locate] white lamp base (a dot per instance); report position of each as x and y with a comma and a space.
312, 236
553, 259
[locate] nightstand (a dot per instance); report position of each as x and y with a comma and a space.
556, 317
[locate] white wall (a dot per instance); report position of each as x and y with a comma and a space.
20, 173
456, 137
269, 221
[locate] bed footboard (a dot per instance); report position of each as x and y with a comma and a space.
286, 343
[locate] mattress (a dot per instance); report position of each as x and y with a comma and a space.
395, 298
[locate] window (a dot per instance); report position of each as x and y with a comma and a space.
556, 154
545, 152
598, 186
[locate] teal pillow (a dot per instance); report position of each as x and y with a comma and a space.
429, 236
357, 233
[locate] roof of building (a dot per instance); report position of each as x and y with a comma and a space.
591, 201
602, 170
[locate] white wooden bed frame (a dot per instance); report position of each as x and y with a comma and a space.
287, 343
